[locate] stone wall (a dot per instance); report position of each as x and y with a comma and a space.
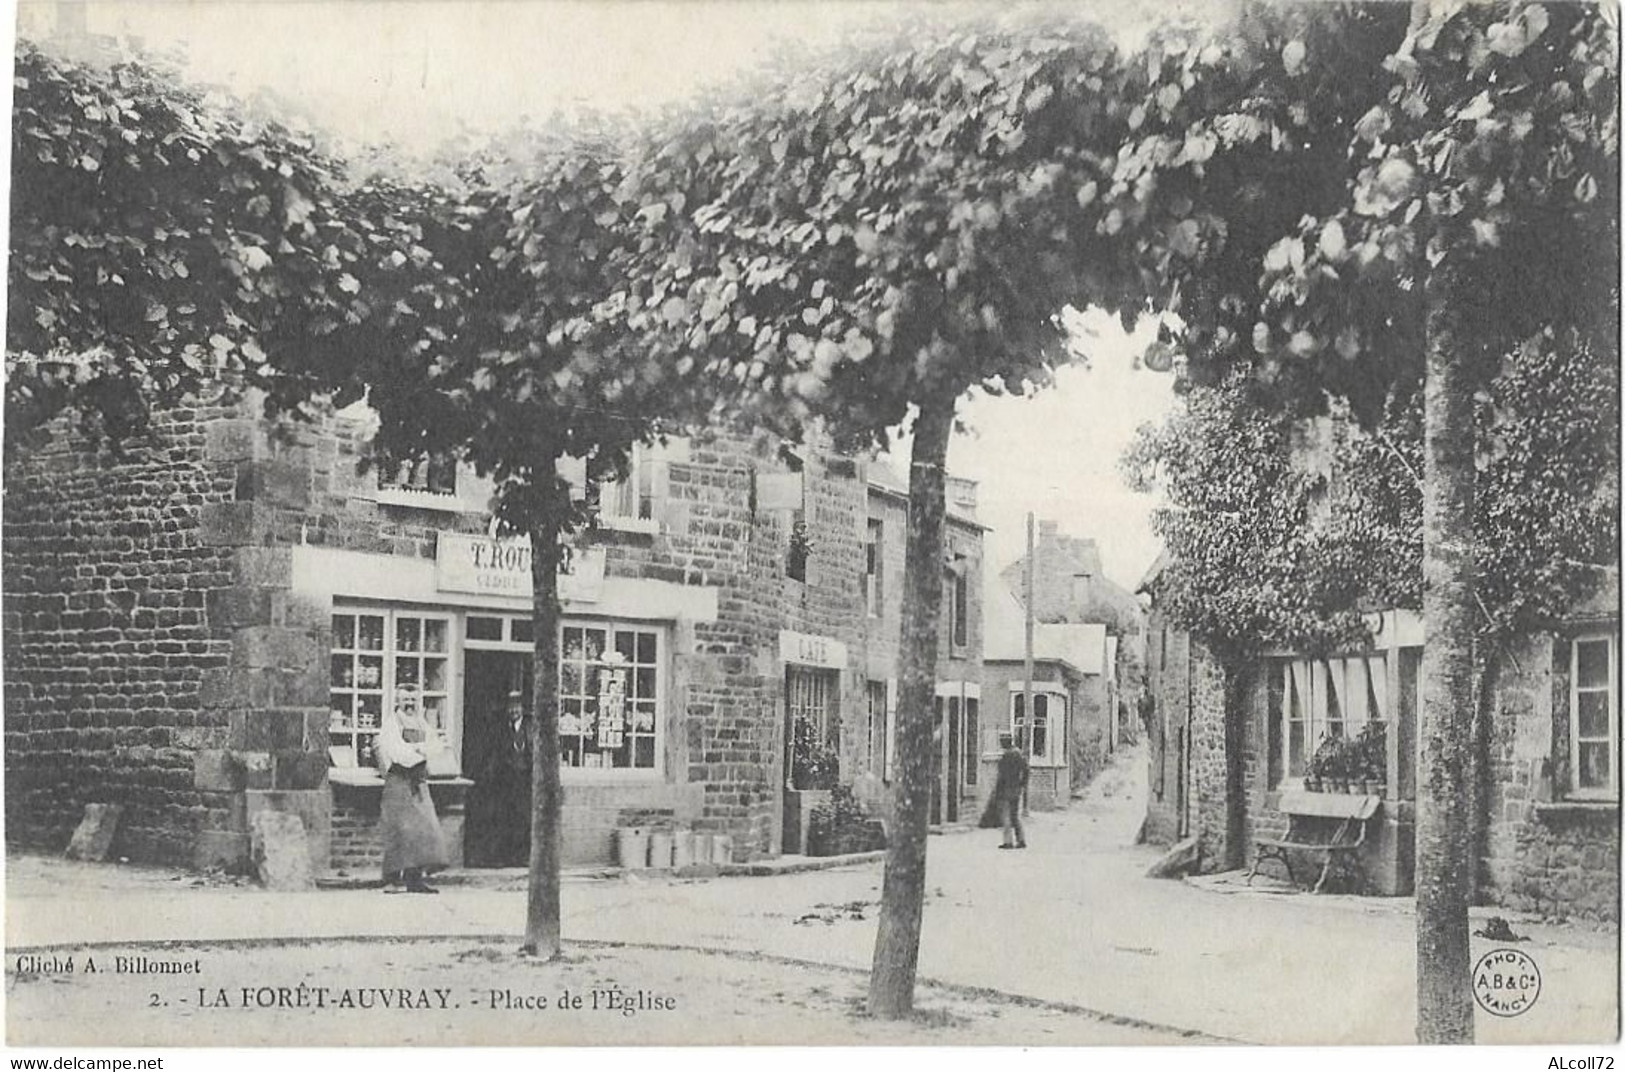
1194, 791
1540, 850
110, 573
158, 656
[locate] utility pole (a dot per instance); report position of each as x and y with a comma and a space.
1027, 656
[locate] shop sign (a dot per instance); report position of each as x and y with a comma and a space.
487, 566
811, 650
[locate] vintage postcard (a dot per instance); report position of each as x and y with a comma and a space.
696, 523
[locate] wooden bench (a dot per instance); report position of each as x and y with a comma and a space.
1332, 824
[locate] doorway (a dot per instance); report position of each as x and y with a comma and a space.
496, 755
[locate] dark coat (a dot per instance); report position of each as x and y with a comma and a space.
1012, 777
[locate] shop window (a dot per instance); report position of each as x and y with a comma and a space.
1311, 700
1593, 722
873, 569
1048, 727
609, 697
381, 659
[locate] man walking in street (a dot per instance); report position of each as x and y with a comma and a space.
1008, 788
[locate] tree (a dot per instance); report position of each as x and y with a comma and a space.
163, 239
1465, 222
509, 362
868, 237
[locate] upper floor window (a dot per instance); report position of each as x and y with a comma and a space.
1594, 716
435, 475
956, 600
873, 566
626, 502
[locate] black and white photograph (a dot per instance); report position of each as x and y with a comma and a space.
553, 523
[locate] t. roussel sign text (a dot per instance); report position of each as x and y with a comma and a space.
489, 566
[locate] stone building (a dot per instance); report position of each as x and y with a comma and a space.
958, 784
1073, 690
212, 624
1227, 740
1071, 587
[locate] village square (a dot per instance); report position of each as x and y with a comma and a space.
1039, 527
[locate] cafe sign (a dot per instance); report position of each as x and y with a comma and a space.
489, 566
809, 649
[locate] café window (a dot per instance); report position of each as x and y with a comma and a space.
610, 698
1048, 726
1594, 717
378, 658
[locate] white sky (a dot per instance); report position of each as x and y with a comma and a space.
416, 72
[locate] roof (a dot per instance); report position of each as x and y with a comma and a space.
1154, 571
885, 480
1081, 646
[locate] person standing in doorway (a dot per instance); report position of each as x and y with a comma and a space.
413, 842
1008, 788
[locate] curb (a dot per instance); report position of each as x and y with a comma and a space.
984, 993
505, 878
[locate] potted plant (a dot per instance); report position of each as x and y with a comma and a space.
813, 765
1330, 764
1371, 747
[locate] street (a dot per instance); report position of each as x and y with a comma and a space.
1071, 921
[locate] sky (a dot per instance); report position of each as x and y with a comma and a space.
415, 73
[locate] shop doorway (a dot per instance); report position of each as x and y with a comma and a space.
496, 755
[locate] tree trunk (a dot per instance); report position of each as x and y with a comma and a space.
1444, 1003
542, 903
902, 899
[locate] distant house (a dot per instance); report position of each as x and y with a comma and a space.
1227, 741
1072, 692
1085, 627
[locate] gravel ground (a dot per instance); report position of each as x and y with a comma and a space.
480, 992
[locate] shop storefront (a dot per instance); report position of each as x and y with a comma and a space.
456, 635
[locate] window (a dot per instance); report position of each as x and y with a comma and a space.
800, 549
1593, 717
628, 503
379, 658
874, 593
1048, 726
973, 739
1311, 700
609, 697
436, 475
875, 693
956, 606
961, 610
812, 696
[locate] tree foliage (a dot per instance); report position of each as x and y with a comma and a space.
1268, 551
165, 238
